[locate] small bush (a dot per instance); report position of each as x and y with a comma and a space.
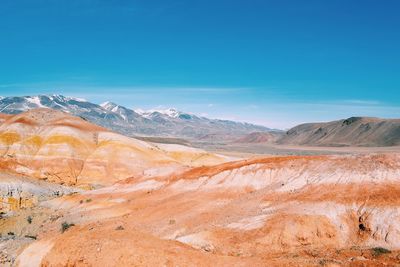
328, 262
88, 200
377, 251
65, 226
29, 219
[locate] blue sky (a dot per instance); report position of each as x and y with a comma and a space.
277, 63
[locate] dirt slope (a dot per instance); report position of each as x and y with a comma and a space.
276, 211
54, 146
355, 131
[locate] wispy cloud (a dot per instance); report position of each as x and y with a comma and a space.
361, 102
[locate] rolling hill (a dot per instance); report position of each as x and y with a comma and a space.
354, 131
54, 146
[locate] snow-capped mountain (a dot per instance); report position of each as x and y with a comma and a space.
126, 113
165, 123
13, 105
171, 112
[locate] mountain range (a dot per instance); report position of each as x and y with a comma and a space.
165, 123
169, 123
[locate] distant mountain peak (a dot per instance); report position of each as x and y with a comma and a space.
120, 110
170, 112
35, 100
108, 105
62, 97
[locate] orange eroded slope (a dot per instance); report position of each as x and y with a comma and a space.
61, 148
277, 211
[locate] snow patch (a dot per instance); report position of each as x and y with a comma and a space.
110, 106
35, 100
107, 105
171, 112
66, 98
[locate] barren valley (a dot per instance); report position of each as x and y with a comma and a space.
76, 194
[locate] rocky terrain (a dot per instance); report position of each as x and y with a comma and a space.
275, 211
47, 154
20, 213
160, 123
19, 192
354, 131
76, 194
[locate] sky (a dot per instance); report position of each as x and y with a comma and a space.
272, 62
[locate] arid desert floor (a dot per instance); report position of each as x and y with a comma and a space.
75, 194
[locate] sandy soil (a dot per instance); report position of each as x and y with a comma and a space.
251, 150
274, 211
171, 205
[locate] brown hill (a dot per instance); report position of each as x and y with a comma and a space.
354, 131
259, 137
